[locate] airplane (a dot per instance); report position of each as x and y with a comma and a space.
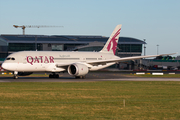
76, 63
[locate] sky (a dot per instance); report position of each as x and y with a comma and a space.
156, 21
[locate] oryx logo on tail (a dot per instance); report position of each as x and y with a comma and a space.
111, 44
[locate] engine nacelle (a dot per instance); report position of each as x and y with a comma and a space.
77, 69
24, 73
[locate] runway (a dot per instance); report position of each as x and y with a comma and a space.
91, 77
84, 80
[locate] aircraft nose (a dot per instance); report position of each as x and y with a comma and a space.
5, 66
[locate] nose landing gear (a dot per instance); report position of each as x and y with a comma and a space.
15, 75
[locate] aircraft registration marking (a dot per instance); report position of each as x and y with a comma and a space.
64, 55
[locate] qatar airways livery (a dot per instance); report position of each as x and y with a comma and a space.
77, 64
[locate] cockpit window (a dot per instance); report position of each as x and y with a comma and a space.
9, 58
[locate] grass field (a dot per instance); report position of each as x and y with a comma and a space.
126, 75
90, 100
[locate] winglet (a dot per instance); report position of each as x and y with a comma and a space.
111, 44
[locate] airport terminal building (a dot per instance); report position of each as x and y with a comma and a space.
12, 43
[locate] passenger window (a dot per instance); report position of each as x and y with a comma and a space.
12, 58
8, 58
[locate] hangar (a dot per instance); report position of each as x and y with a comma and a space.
13, 43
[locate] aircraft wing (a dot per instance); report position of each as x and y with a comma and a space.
124, 59
103, 62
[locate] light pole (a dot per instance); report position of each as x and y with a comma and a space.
157, 49
144, 48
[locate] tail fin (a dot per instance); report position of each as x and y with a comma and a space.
111, 44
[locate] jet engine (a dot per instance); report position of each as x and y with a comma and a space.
24, 73
77, 69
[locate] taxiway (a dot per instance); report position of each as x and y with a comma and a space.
91, 77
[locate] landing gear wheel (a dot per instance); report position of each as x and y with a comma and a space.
53, 76
77, 77
80, 77
56, 76
50, 76
15, 77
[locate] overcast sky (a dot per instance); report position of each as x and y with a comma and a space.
157, 21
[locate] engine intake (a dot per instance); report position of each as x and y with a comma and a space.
78, 69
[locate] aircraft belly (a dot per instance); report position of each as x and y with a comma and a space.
38, 67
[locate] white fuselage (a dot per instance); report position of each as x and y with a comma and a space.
48, 61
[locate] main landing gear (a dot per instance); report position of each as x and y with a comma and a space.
80, 77
54, 75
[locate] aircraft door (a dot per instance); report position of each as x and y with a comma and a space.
43, 63
24, 60
16, 62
